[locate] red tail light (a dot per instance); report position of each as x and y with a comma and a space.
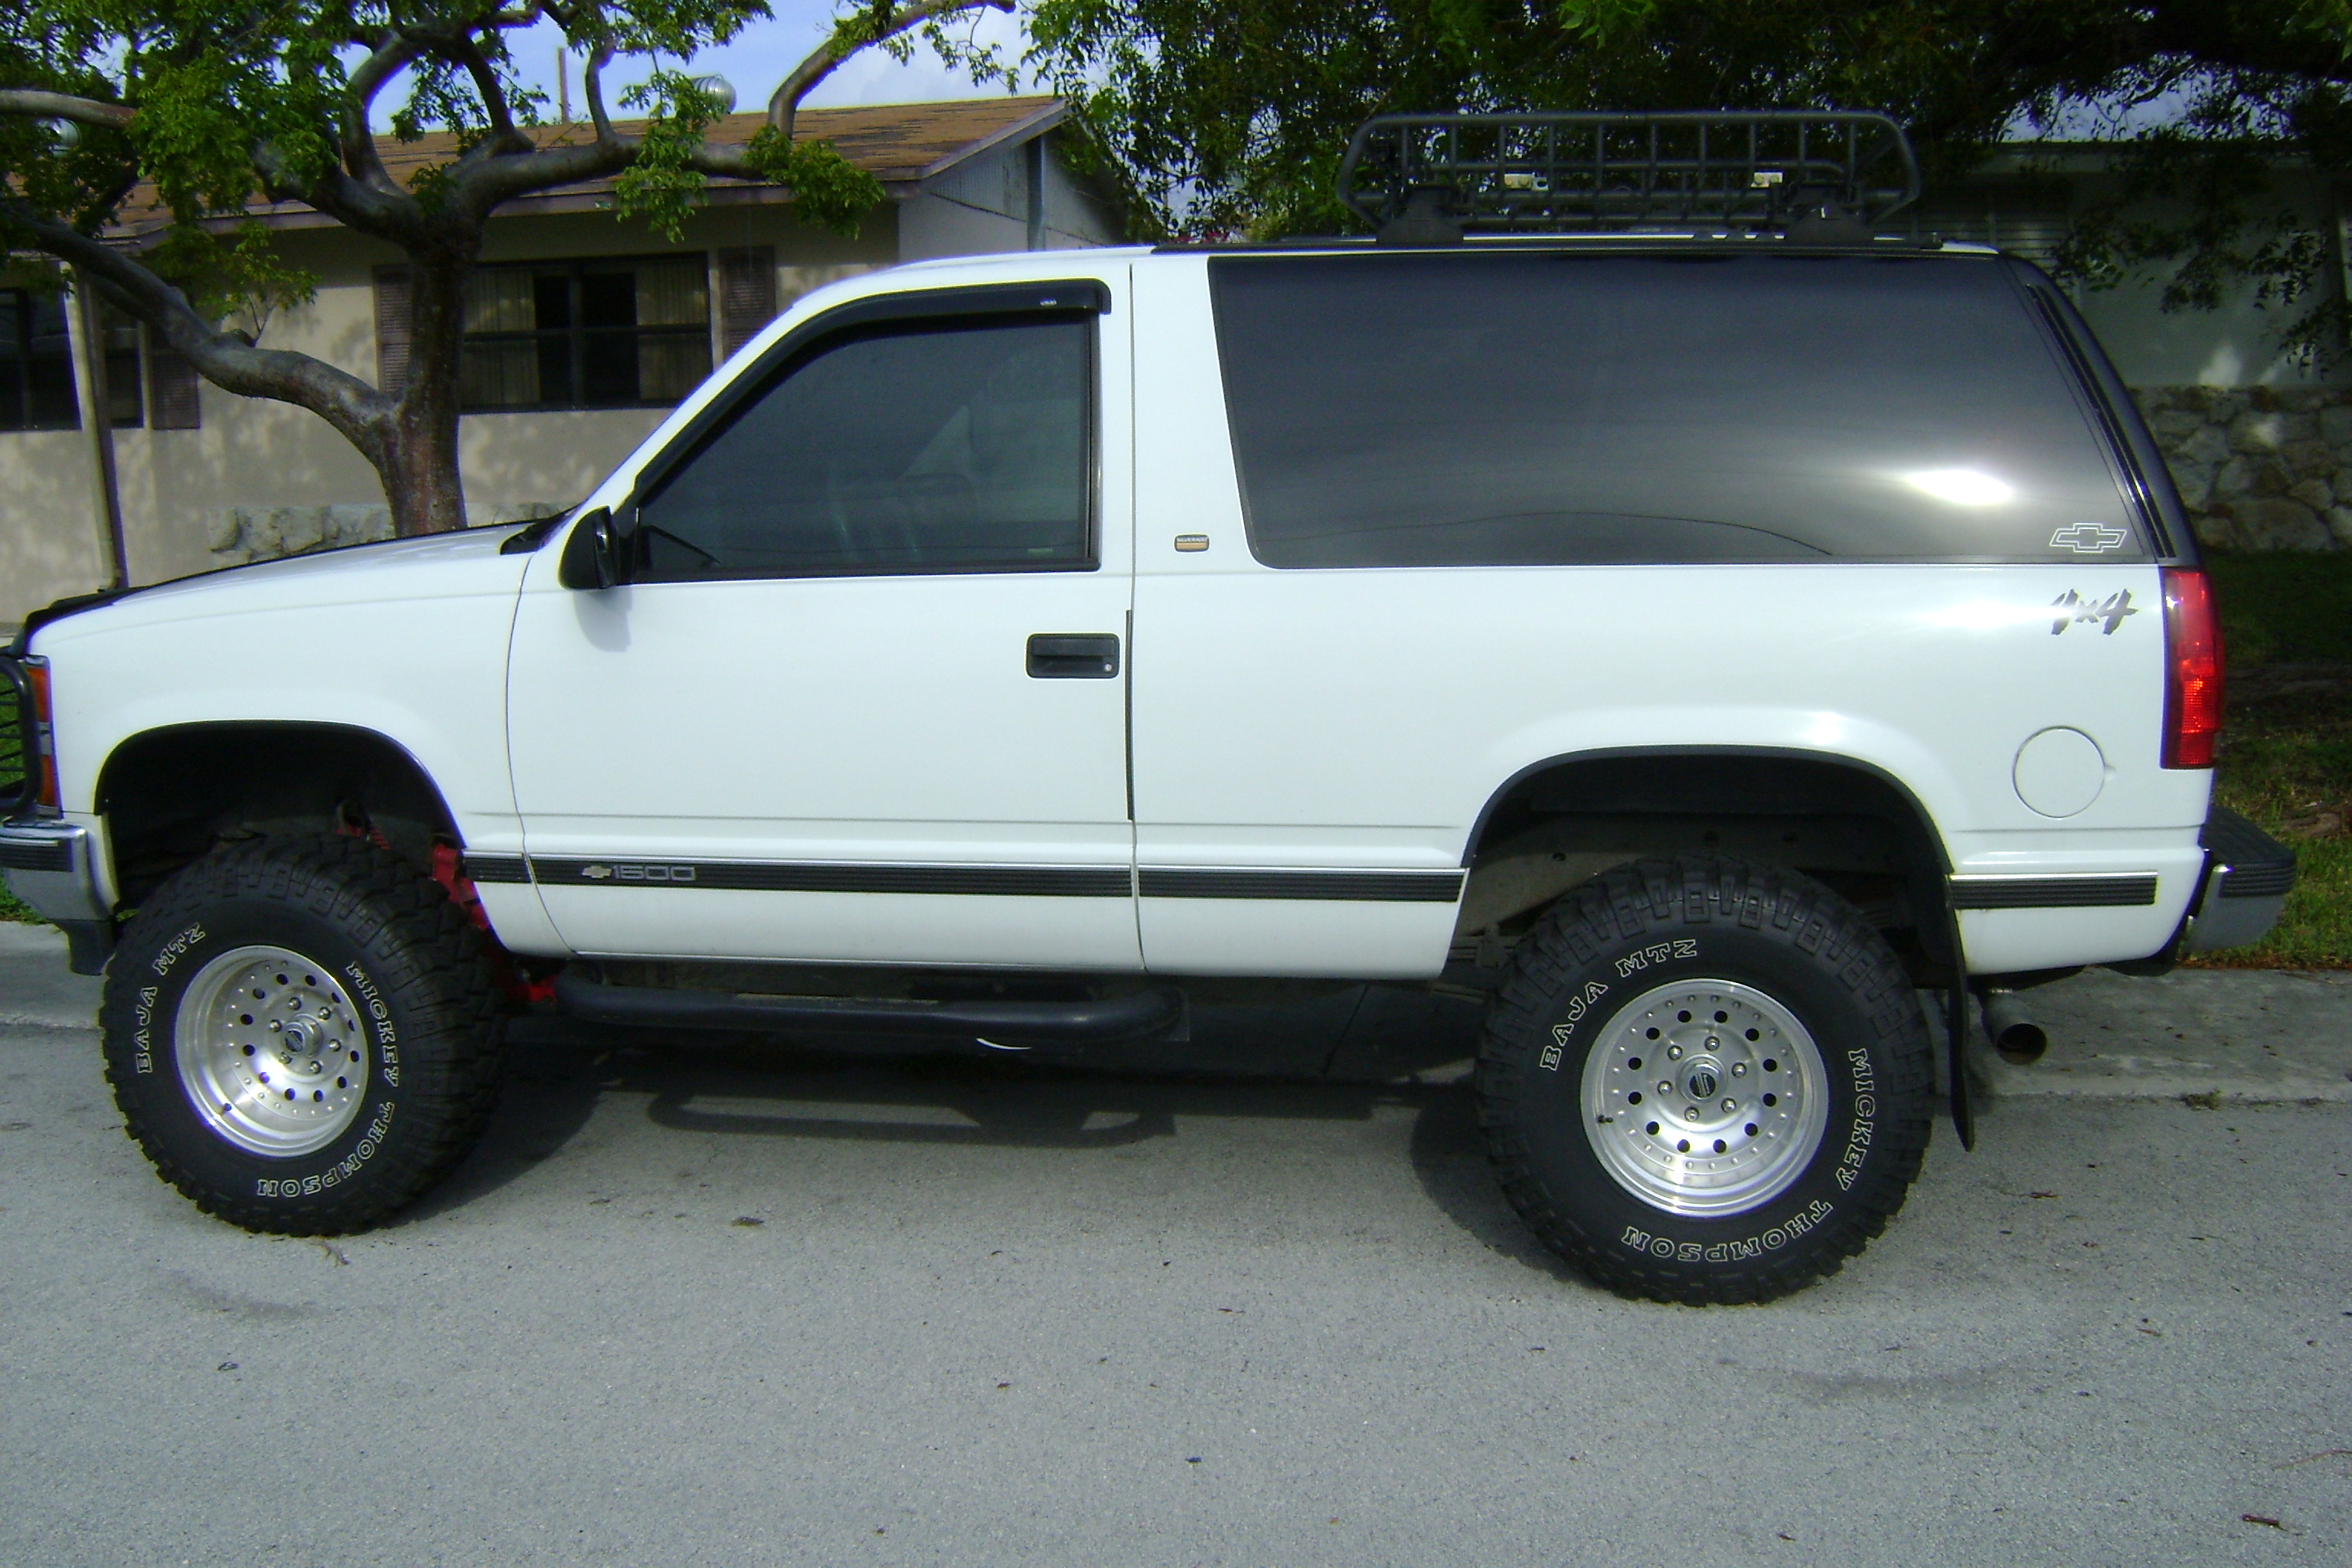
2193, 657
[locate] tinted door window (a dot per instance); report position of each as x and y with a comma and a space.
1467, 410
957, 448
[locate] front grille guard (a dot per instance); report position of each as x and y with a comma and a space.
1599, 174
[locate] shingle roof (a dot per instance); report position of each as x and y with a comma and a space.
900, 144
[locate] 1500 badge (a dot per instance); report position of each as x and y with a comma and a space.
2074, 608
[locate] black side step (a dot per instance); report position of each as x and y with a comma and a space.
1091, 1021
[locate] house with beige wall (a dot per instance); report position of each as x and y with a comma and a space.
581, 334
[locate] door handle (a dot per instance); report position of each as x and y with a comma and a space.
1073, 655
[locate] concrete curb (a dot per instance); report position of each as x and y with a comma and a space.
2210, 1037
36, 990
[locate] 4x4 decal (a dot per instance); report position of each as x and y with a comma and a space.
2072, 607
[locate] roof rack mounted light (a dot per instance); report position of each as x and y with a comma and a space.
1828, 176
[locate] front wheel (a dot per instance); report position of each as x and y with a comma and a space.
303, 1034
1705, 1081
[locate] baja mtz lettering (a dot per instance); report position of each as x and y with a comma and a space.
1579, 1005
175, 947
144, 1015
1658, 953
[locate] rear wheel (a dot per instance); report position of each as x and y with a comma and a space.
302, 1033
1705, 1080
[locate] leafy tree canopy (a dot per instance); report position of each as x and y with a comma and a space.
182, 112
1232, 119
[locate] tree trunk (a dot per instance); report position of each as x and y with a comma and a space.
419, 465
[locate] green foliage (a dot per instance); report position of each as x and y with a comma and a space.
241, 279
662, 186
1218, 119
2287, 753
828, 190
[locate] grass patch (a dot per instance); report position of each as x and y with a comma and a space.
2286, 755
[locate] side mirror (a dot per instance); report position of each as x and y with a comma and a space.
592, 556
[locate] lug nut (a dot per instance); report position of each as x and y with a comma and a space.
1739, 1069
1674, 1053
1664, 1088
1729, 1106
1691, 1114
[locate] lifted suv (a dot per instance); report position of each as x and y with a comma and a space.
1699, 643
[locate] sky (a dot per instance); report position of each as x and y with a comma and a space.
764, 53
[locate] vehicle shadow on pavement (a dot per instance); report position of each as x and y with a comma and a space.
745, 1087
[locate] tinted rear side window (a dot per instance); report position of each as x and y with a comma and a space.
1544, 410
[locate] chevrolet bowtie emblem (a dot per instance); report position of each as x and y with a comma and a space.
597, 873
2088, 538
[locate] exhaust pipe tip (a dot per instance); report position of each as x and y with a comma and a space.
2014, 1033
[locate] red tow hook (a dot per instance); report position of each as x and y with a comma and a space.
514, 978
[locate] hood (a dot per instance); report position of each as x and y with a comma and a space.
439, 565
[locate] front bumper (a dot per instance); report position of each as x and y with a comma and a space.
53, 866
2248, 875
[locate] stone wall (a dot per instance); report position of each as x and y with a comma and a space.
245, 533
2259, 468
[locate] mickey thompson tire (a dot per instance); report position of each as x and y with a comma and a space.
1705, 1080
303, 1034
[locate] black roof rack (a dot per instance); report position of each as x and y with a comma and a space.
1824, 176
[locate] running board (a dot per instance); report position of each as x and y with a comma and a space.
1134, 1015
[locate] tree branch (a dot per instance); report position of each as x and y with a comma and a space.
820, 63
591, 88
486, 82
354, 407
65, 106
360, 155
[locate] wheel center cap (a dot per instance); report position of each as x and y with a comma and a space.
1701, 1083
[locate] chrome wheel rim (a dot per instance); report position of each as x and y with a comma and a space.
1705, 1096
270, 1051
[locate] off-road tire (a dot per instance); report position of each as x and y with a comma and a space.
1668, 929
423, 1020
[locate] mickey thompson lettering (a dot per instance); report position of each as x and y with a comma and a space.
1772, 1240
334, 1176
380, 1014
1865, 1109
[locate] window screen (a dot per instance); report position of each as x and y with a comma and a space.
938, 449
1540, 409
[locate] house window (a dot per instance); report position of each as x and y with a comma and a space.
36, 378
624, 332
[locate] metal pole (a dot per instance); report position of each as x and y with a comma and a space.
97, 418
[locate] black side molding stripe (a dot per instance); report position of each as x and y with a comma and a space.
2052, 893
1369, 887
496, 868
809, 877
